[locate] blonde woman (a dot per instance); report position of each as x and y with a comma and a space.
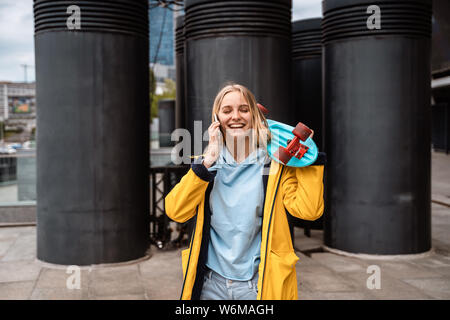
241, 247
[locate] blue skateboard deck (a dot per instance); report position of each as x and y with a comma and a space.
281, 133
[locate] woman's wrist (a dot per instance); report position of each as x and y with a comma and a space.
206, 163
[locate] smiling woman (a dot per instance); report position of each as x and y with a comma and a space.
241, 247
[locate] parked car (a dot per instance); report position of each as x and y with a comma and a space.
15, 146
6, 150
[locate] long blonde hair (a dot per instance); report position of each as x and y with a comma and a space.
261, 132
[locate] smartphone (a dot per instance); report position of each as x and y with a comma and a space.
220, 130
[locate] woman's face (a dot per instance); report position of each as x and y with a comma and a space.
234, 114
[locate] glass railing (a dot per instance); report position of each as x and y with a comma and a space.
18, 177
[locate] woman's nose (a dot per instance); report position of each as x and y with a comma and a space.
236, 115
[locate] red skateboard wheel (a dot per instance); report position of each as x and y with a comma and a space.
263, 110
283, 155
302, 131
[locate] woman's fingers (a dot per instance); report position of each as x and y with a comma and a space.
212, 151
214, 124
214, 130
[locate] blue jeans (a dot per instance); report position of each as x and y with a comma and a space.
216, 287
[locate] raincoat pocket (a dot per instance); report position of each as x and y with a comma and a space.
281, 276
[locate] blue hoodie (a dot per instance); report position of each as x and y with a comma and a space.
236, 203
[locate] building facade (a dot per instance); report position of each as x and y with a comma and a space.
18, 106
161, 34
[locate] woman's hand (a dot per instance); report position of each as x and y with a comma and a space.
213, 149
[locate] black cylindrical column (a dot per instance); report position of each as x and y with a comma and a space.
180, 106
377, 125
307, 90
92, 131
166, 115
247, 42
307, 75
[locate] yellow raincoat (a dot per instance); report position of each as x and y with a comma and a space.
298, 191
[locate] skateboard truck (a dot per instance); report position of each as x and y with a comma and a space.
294, 147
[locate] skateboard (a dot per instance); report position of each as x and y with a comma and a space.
291, 146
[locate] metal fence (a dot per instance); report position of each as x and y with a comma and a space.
164, 233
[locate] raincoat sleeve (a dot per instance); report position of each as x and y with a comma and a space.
303, 190
182, 201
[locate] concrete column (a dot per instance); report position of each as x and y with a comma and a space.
92, 92
377, 125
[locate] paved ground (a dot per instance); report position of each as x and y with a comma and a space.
321, 275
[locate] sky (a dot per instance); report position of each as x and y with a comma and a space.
17, 34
